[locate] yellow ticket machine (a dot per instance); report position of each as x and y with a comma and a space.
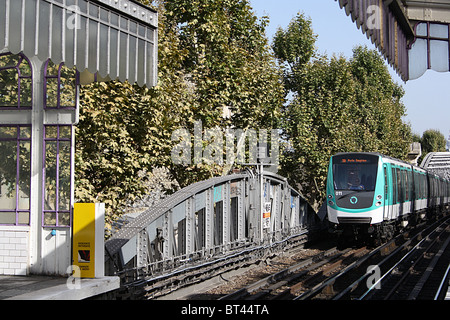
88, 239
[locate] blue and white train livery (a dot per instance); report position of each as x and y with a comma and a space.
373, 196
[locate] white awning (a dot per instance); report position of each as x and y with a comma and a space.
115, 38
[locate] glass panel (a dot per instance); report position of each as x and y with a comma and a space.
7, 217
51, 132
8, 173
124, 23
9, 61
49, 218
24, 175
142, 30
64, 175
64, 218
25, 92
67, 87
83, 6
25, 69
65, 132
9, 88
114, 19
439, 55
104, 14
439, 31
421, 29
57, 40
52, 93
50, 176
24, 218
418, 63
355, 172
25, 132
93, 10
52, 69
8, 132
92, 44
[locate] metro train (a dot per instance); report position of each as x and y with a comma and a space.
370, 196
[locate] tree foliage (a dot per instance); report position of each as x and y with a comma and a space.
212, 54
433, 141
337, 105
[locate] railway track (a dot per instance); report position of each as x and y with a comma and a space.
420, 271
414, 265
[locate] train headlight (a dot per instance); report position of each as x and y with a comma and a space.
379, 197
330, 203
378, 203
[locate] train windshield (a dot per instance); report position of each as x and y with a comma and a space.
356, 172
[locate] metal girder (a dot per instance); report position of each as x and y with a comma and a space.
207, 219
437, 162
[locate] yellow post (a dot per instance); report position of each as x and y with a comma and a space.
88, 242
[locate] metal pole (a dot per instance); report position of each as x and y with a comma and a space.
262, 200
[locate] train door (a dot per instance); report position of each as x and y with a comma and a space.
387, 195
395, 193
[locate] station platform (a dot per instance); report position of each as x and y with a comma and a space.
54, 288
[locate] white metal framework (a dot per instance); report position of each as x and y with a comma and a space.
47, 49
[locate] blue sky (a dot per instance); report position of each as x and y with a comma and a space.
427, 99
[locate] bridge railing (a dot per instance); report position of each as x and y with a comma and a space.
206, 220
437, 162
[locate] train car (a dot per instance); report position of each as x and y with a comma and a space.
371, 196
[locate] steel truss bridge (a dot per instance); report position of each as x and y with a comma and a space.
438, 162
207, 221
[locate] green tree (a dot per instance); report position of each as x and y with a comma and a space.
378, 109
294, 47
317, 124
212, 54
433, 141
336, 106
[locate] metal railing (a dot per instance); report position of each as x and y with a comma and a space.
207, 220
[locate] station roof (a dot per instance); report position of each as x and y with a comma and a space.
115, 38
385, 23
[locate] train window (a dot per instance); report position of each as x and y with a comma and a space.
386, 183
404, 185
411, 185
394, 184
355, 172
416, 185
422, 186
406, 180
399, 185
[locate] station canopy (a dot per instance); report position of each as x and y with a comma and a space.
413, 35
386, 25
114, 39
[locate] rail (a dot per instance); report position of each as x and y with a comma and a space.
419, 258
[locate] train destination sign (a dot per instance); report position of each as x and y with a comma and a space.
347, 160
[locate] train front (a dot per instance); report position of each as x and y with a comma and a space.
355, 192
